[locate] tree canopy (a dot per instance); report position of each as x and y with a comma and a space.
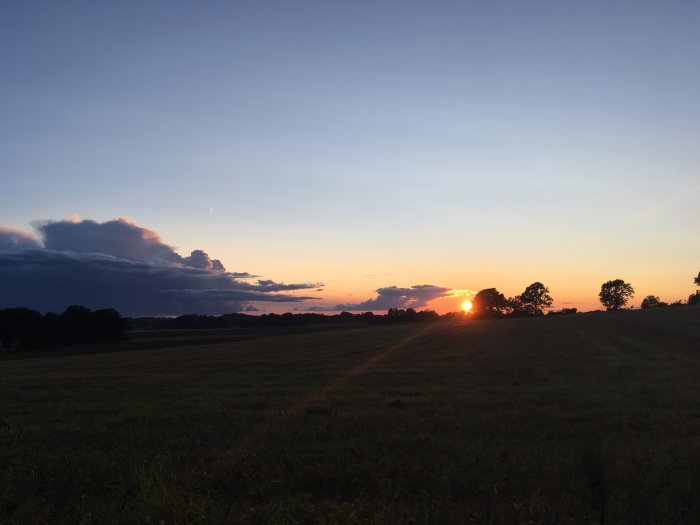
615, 294
652, 301
489, 303
535, 299
26, 328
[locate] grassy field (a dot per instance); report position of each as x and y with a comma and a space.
591, 418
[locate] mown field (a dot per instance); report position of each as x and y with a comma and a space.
592, 418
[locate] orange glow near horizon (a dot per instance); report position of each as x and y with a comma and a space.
467, 306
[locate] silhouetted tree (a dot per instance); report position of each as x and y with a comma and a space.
53, 330
489, 303
427, 316
25, 328
20, 327
395, 314
652, 301
78, 325
615, 294
109, 325
409, 315
514, 308
535, 299
695, 298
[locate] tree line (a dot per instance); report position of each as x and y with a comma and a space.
241, 320
614, 295
26, 328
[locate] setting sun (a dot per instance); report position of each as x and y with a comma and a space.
467, 306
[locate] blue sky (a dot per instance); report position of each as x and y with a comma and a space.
463, 145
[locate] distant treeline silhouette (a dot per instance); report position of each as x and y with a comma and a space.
25, 328
239, 320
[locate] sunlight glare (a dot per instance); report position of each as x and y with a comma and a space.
467, 306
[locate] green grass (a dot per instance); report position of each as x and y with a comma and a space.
582, 419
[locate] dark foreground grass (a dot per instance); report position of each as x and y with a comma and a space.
584, 419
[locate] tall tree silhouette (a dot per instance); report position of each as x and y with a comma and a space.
535, 299
615, 294
489, 303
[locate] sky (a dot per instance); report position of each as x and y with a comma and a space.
360, 151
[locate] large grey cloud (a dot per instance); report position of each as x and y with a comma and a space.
119, 238
15, 239
417, 296
121, 265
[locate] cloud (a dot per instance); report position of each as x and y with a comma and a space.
16, 239
200, 259
121, 265
243, 275
417, 296
119, 238
461, 293
272, 286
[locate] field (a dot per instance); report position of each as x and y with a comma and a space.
592, 418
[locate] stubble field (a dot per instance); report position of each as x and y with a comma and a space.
591, 418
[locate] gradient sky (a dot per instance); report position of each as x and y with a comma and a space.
366, 144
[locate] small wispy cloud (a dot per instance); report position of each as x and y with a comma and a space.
461, 293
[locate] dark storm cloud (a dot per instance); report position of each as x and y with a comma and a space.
14, 239
236, 295
120, 265
119, 238
394, 297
